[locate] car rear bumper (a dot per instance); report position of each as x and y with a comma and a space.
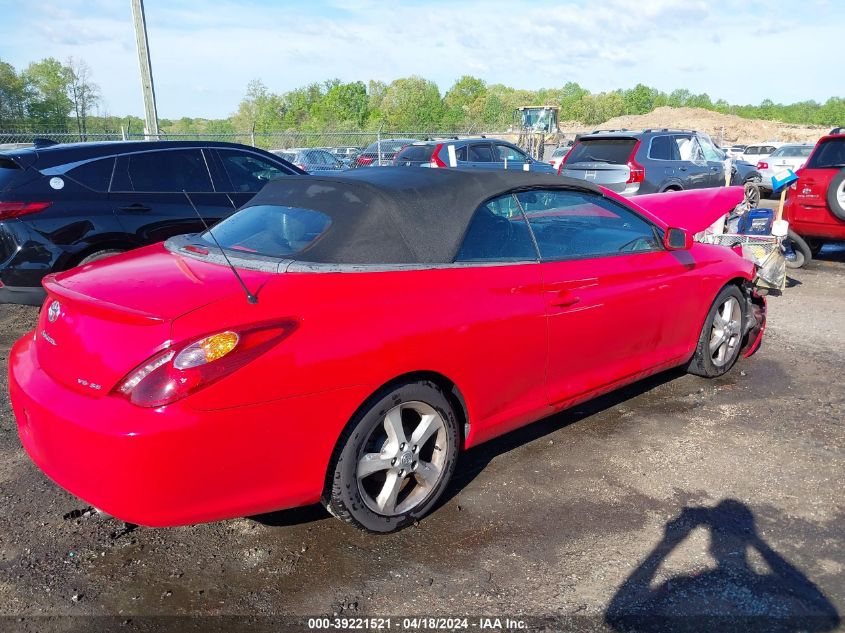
174, 465
813, 219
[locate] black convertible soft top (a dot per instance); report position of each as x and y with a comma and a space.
398, 215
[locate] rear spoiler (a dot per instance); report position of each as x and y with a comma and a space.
693, 210
98, 307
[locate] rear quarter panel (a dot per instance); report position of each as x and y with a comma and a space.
483, 328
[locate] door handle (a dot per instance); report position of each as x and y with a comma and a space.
682, 168
137, 207
562, 298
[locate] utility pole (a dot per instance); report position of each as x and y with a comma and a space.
150, 113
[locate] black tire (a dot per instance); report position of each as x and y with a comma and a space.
100, 255
352, 499
834, 202
707, 362
801, 250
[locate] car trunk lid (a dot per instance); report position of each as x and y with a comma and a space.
614, 177
101, 320
694, 210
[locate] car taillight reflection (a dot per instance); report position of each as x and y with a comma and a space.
10, 210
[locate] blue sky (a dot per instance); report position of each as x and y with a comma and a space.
204, 53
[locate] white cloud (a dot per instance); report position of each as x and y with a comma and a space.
204, 53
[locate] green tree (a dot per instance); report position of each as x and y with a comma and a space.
639, 100
412, 104
49, 103
14, 95
82, 91
464, 103
344, 106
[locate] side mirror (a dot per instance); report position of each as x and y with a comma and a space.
677, 240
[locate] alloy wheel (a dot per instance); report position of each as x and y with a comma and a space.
403, 460
726, 332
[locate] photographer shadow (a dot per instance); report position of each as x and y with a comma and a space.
733, 596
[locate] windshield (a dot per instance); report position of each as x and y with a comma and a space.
270, 230
616, 151
793, 151
418, 153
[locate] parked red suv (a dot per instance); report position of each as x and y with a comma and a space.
815, 205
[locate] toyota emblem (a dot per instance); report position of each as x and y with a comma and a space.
53, 311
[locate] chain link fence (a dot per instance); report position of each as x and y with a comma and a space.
344, 144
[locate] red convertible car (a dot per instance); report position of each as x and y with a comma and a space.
378, 324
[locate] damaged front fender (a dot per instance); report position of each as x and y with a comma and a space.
755, 320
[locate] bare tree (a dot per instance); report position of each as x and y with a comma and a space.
83, 92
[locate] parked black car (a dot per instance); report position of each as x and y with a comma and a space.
66, 205
650, 161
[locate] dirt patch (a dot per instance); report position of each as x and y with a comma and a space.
727, 128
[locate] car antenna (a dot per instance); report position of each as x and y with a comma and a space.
251, 298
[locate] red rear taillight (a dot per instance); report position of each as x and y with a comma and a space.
436, 161
565, 158
16, 209
365, 160
637, 171
178, 371
762, 165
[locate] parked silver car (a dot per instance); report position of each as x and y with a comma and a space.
784, 157
312, 159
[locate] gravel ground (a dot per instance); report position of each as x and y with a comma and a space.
675, 495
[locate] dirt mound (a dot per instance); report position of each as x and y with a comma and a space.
723, 128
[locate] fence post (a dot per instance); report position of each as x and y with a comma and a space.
252, 135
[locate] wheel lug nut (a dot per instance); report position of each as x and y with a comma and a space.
402, 446
393, 462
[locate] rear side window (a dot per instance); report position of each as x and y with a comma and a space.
269, 230
249, 173
416, 153
497, 233
8, 171
830, 154
95, 175
481, 153
664, 148
616, 151
169, 172
506, 152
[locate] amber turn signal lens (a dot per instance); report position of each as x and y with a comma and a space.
206, 350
